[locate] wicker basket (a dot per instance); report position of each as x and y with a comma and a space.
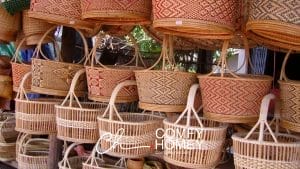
205, 136
207, 20
276, 20
15, 6
265, 149
9, 26
117, 12
290, 100
77, 121
132, 134
54, 77
74, 162
232, 98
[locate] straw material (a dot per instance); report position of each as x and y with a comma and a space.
266, 149
9, 25
74, 162
6, 87
7, 128
134, 12
18, 72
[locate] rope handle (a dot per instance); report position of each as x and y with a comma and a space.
71, 94
190, 107
282, 72
21, 91
137, 55
65, 161
9, 118
263, 120
111, 108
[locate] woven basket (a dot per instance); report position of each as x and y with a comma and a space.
265, 149
77, 121
6, 87
7, 151
276, 20
9, 26
74, 162
133, 133
205, 136
14, 6
290, 100
54, 77
232, 98
208, 19
7, 128
110, 12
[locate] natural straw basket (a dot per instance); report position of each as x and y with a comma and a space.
34, 116
133, 134
208, 19
276, 20
163, 90
230, 97
134, 12
54, 77
205, 136
9, 26
265, 149
74, 162
77, 121
290, 100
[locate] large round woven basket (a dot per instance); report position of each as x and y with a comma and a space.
117, 12
265, 149
9, 26
74, 162
275, 20
204, 137
133, 133
208, 19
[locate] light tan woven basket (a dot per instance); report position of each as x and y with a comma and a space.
9, 26
54, 77
266, 149
290, 100
205, 138
77, 121
74, 162
232, 98
34, 116
133, 134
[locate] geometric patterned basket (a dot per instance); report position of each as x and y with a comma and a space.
9, 26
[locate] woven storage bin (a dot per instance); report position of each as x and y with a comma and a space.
77, 121
74, 162
6, 87
208, 19
137, 130
207, 138
117, 12
232, 98
9, 25
276, 20
14, 6
265, 149
290, 100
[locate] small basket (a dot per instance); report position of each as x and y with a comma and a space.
34, 116
205, 136
74, 162
290, 100
129, 135
15, 6
9, 26
77, 122
266, 149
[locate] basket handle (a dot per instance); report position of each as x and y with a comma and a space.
263, 120
92, 158
71, 94
282, 73
111, 108
2, 140
65, 161
21, 91
190, 108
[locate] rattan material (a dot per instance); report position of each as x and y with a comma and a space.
74, 162
205, 138
132, 12
7, 128
7, 151
290, 100
77, 121
9, 26
6, 87
265, 149
133, 133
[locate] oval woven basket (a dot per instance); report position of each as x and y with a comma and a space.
201, 139
9, 26
117, 12
133, 133
74, 162
208, 19
265, 149
290, 100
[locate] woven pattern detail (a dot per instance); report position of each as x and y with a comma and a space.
18, 72
32, 162
9, 25
280, 10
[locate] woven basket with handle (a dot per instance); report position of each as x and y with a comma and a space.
9, 26
265, 149
74, 162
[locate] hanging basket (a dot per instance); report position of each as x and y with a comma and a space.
117, 12
133, 133
290, 100
9, 26
265, 149
15, 6
205, 136
74, 162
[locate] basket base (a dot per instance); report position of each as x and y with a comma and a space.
289, 125
188, 165
75, 140
230, 118
54, 92
161, 108
119, 99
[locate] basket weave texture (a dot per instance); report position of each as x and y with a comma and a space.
9, 26
74, 162
6, 87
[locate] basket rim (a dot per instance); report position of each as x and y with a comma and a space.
115, 68
85, 157
273, 22
165, 71
61, 62
40, 101
290, 82
59, 106
247, 77
157, 119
